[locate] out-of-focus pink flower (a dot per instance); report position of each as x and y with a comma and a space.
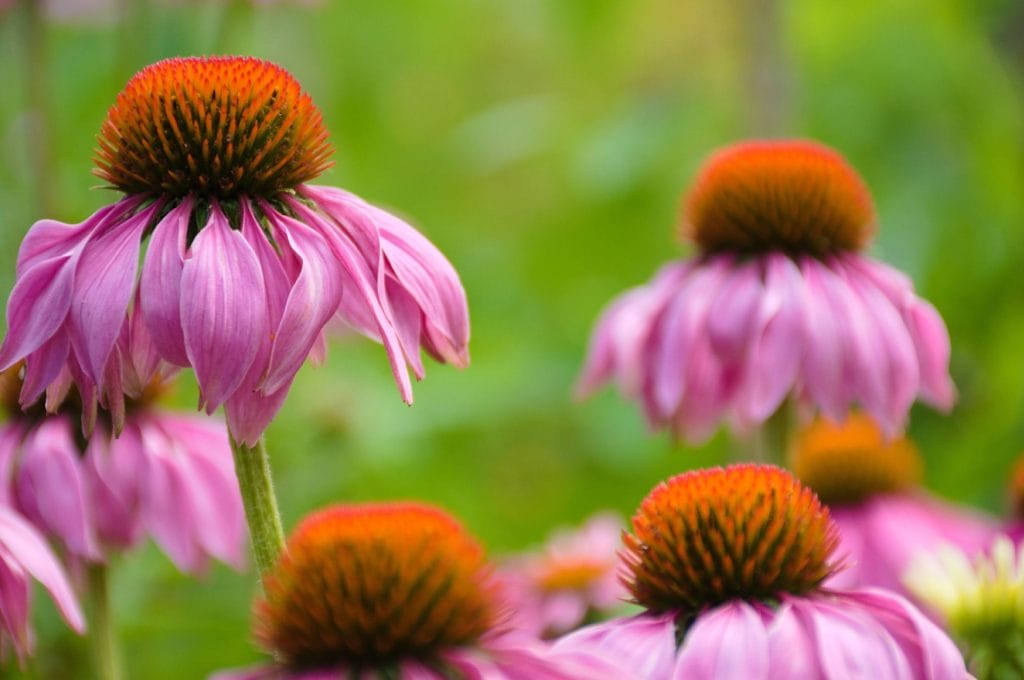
872, 486
167, 476
778, 303
573, 578
730, 565
24, 555
245, 262
401, 587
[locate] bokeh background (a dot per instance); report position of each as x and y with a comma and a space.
543, 145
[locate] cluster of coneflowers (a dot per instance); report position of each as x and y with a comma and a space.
222, 258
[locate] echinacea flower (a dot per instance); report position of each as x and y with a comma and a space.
871, 485
730, 565
242, 261
167, 476
981, 601
24, 555
779, 302
397, 591
569, 581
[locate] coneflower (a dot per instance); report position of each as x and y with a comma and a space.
395, 590
779, 302
730, 565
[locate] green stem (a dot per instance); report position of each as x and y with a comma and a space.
102, 637
252, 466
770, 442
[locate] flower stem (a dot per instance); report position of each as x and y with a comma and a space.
102, 637
252, 466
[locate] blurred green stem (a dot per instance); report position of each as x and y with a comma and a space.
770, 442
252, 467
102, 637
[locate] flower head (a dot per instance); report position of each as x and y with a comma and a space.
871, 484
729, 564
571, 579
981, 602
244, 263
401, 586
779, 303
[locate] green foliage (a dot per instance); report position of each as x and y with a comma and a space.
543, 147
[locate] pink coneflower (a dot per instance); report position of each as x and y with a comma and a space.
778, 302
395, 590
872, 486
573, 578
24, 555
730, 565
244, 262
167, 476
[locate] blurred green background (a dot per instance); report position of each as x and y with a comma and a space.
543, 146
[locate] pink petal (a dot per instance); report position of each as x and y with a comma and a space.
645, 643
932, 655
43, 367
168, 504
20, 544
775, 353
791, 646
683, 322
38, 306
730, 641
362, 277
733, 312
160, 284
50, 486
313, 299
104, 282
823, 328
223, 315
114, 470
931, 340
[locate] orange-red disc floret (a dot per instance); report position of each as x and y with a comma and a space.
708, 536
364, 585
851, 461
791, 196
213, 126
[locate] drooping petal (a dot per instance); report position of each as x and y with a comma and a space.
363, 282
312, 300
825, 344
21, 544
730, 641
37, 308
222, 312
43, 367
733, 313
931, 340
104, 283
774, 359
160, 291
114, 473
50, 486
682, 323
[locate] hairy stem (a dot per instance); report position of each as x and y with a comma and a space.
252, 466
